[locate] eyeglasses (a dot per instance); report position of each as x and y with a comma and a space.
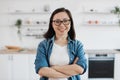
58, 22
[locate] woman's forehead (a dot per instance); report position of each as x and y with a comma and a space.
61, 15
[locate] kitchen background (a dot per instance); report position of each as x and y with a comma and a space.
95, 23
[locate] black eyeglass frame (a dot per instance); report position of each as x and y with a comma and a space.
61, 21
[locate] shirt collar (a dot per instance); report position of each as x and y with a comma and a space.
69, 39
53, 39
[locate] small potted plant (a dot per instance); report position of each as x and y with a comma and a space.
116, 10
18, 24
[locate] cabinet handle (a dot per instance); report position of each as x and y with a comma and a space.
8, 57
11, 58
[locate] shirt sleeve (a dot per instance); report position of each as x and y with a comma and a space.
41, 57
81, 55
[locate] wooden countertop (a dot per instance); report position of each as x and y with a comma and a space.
13, 51
33, 51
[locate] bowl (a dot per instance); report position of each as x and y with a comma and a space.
13, 47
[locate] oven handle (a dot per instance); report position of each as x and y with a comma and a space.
101, 59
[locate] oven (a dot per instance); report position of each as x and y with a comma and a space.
101, 66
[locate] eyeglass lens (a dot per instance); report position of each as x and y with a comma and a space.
64, 21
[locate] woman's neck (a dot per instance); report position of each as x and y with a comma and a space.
59, 37
61, 40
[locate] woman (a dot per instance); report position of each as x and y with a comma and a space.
60, 56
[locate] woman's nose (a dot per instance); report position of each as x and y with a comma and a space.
62, 24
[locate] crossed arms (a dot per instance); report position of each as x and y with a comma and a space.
64, 71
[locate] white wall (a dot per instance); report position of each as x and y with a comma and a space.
93, 37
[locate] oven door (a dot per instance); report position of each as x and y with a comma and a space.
101, 68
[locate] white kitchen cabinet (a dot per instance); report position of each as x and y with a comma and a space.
117, 66
14, 67
20, 67
5, 66
33, 75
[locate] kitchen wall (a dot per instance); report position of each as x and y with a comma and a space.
98, 36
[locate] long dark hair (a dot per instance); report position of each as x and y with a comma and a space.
50, 33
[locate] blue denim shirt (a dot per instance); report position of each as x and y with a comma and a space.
75, 49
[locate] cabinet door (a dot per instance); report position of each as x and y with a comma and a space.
5, 67
33, 75
20, 67
117, 66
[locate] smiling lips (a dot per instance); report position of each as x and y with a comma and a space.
61, 30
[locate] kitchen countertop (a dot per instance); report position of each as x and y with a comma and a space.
13, 51
102, 51
33, 51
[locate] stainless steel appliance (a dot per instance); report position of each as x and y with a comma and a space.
101, 65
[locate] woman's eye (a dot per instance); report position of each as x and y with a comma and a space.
58, 21
65, 20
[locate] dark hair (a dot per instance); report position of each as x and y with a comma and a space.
50, 33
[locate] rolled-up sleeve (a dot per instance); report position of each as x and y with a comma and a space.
81, 55
41, 58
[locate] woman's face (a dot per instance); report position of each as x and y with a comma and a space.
61, 23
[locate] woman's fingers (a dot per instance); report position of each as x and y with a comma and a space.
75, 61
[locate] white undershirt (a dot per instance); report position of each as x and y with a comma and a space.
59, 56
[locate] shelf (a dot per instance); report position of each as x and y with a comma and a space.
35, 36
35, 25
36, 32
97, 12
30, 25
100, 24
29, 12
